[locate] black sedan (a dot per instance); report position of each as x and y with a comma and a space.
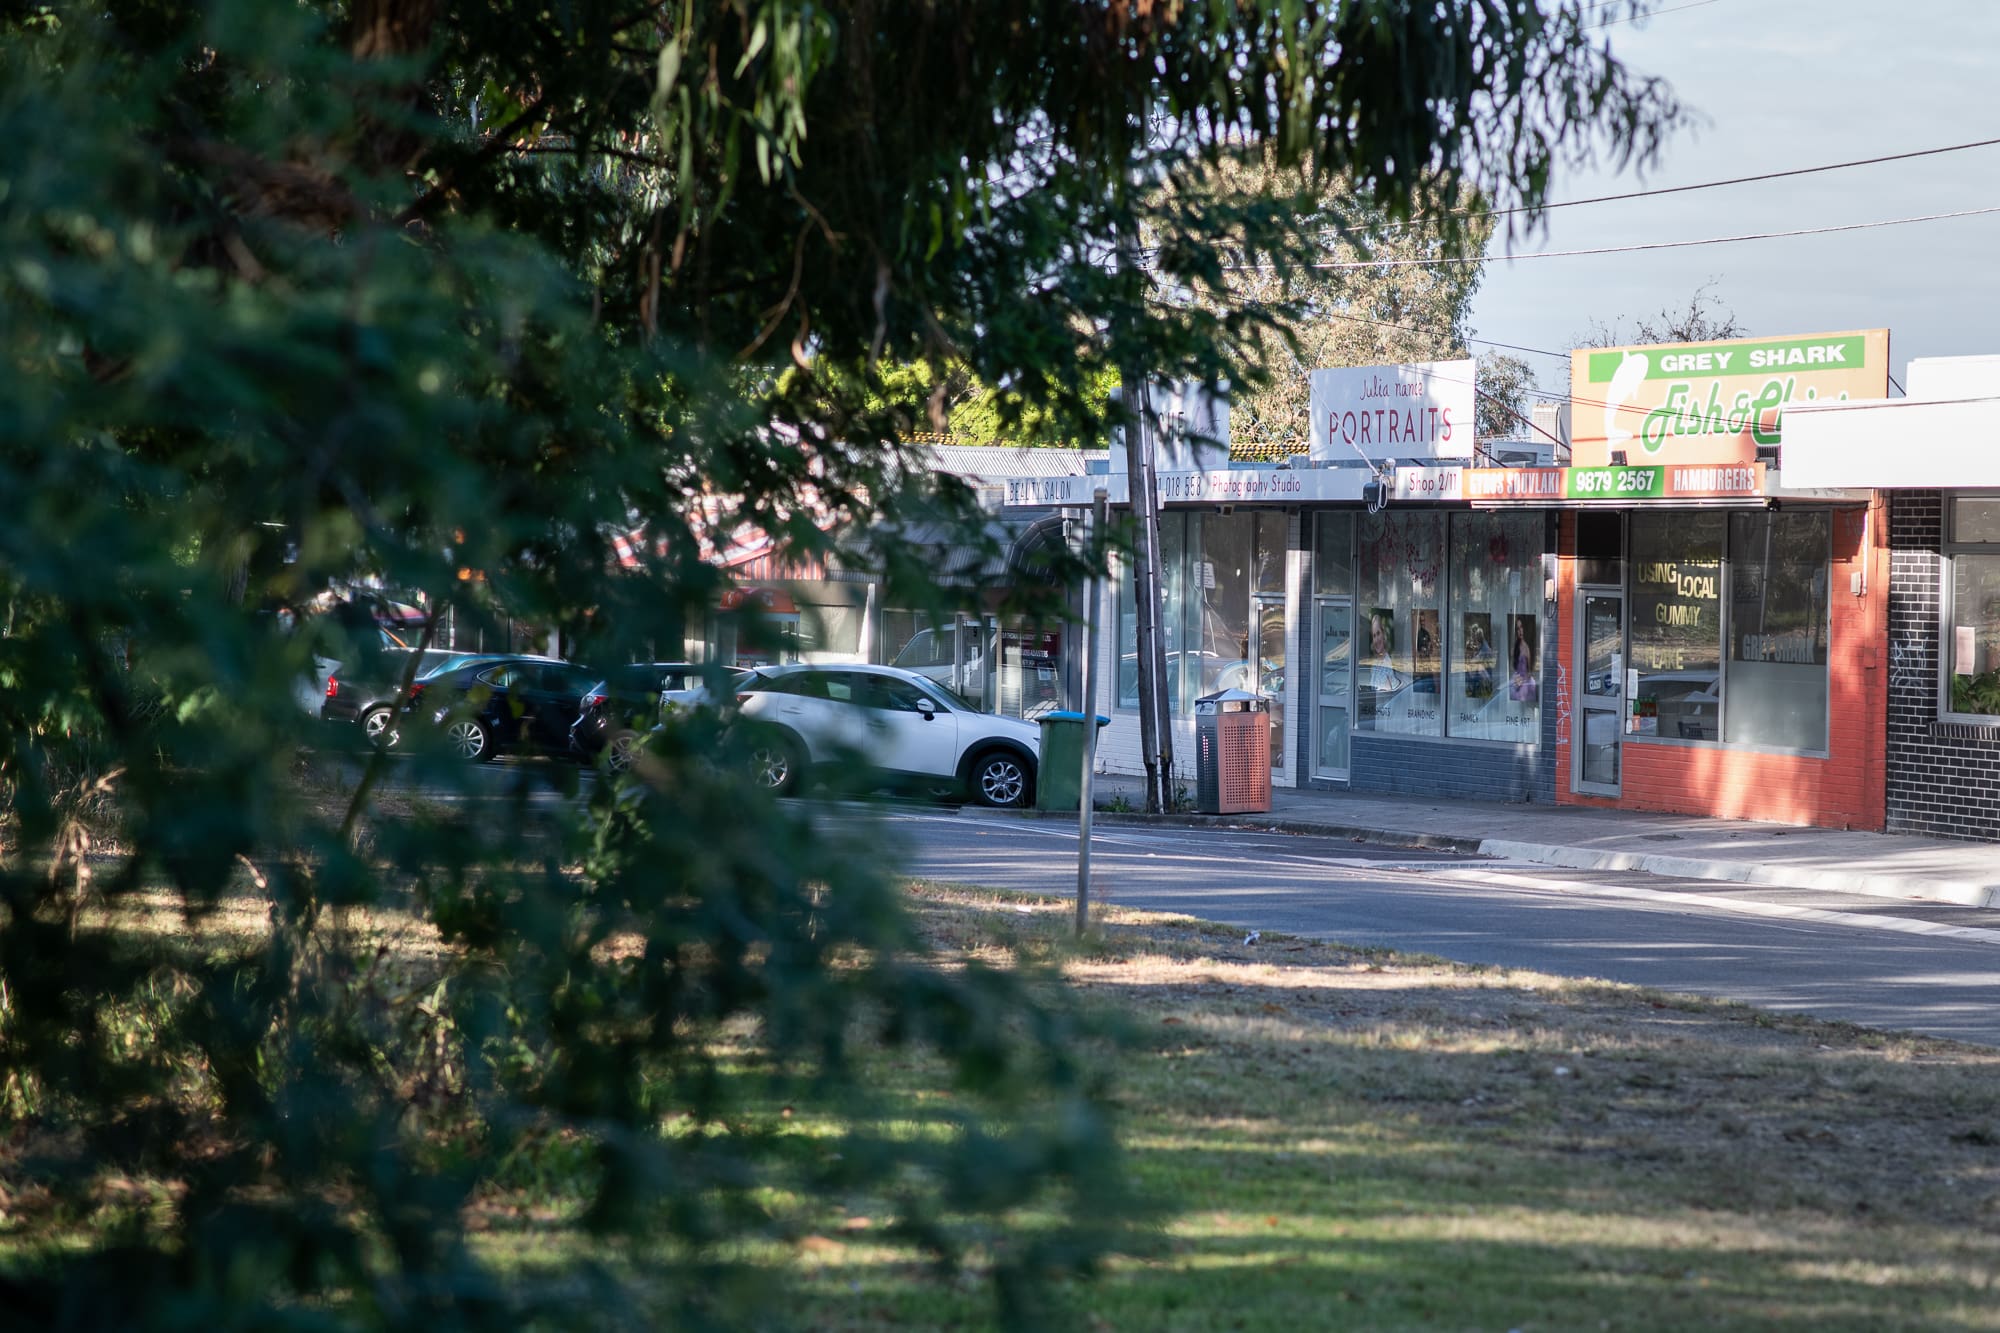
631, 700
361, 696
488, 707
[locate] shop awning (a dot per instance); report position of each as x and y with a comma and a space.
1890, 443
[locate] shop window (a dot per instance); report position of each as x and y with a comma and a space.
1400, 617
1494, 628
1333, 555
1972, 617
1270, 558
1179, 534
1675, 610
1775, 680
1210, 565
1223, 565
1174, 606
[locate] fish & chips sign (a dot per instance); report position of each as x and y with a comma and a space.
1714, 402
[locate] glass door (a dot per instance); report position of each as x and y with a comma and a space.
1333, 680
1600, 648
1268, 657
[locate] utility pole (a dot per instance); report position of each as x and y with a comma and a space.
1160, 762
1093, 605
1150, 654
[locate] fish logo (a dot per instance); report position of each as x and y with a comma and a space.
1625, 382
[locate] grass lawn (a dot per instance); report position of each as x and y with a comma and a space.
1357, 1139
1342, 1138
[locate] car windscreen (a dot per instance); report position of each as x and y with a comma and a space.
950, 697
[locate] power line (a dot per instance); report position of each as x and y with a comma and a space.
1444, 260
1634, 18
1742, 180
1705, 185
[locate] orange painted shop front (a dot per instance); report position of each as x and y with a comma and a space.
1783, 721
1722, 639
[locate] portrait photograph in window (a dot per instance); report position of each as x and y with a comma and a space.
1480, 658
1524, 659
1429, 664
1384, 672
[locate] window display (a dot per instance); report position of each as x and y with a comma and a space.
1399, 573
1496, 658
1676, 624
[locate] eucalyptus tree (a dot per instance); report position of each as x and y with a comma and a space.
454, 297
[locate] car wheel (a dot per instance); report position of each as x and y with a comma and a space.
775, 764
379, 726
470, 740
619, 750
1001, 778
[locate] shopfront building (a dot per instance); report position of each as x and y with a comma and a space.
1662, 624
1936, 453
1720, 630
1384, 642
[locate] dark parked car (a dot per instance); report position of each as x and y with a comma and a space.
632, 699
488, 707
363, 696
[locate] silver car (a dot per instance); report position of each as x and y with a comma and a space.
886, 726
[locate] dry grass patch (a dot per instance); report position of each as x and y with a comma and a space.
1356, 1138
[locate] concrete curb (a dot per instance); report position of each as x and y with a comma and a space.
1434, 842
1769, 875
1963, 893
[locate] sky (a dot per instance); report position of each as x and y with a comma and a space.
1777, 85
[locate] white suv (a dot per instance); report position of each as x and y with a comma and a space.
900, 728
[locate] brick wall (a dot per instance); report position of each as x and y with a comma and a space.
1943, 778
1843, 790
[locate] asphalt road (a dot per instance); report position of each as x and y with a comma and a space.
1932, 968
1896, 965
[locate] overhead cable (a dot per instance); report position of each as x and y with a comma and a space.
1439, 261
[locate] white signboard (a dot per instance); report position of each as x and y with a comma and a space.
1066, 492
1416, 411
1430, 483
1194, 427
1263, 485
1190, 427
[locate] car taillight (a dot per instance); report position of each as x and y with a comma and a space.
595, 700
416, 691
744, 696
332, 687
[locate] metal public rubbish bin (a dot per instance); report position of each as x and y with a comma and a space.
1059, 772
1232, 753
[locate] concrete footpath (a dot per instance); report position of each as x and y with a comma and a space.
1882, 865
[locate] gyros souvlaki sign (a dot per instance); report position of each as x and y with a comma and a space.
1415, 411
1713, 402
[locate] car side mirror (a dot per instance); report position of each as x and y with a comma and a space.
927, 708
